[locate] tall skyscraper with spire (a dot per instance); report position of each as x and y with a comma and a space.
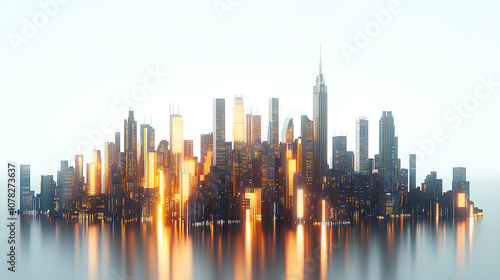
130, 127
320, 119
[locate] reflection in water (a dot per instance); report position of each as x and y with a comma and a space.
166, 249
93, 247
182, 252
460, 248
248, 250
163, 249
323, 256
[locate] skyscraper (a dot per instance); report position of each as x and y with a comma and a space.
219, 153
206, 151
461, 191
65, 185
25, 187
307, 135
163, 154
290, 162
270, 154
459, 174
238, 123
287, 131
274, 119
47, 190
176, 134
387, 150
188, 149
117, 141
79, 179
151, 171
130, 128
254, 135
362, 158
320, 119
176, 150
94, 179
339, 156
413, 172
433, 188
350, 162
110, 158
147, 146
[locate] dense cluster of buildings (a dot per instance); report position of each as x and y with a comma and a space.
247, 178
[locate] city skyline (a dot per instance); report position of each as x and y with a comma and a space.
288, 180
263, 135
83, 80
258, 139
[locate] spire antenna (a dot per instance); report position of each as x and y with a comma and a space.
320, 61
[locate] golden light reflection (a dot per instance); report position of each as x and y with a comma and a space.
151, 170
461, 200
163, 247
472, 222
300, 251
323, 257
239, 257
93, 251
300, 203
292, 268
461, 249
248, 250
182, 264
323, 210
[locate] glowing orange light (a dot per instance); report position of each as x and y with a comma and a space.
323, 210
151, 170
300, 203
461, 200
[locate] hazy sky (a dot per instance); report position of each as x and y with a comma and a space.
82, 62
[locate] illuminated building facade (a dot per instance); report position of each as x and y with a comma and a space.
253, 131
362, 157
238, 123
94, 176
219, 142
110, 158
